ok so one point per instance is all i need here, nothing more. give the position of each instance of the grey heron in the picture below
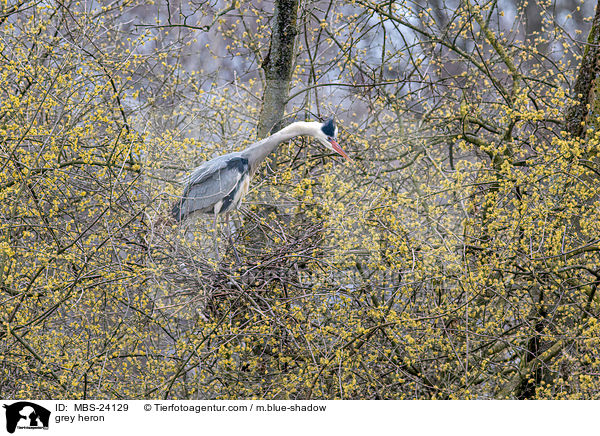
(218, 186)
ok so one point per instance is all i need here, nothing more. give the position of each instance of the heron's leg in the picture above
(216, 239)
(237, 257)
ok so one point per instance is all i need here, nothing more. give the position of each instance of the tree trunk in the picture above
(278, 66)
(586, 109)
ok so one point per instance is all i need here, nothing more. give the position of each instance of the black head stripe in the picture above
(328, 128)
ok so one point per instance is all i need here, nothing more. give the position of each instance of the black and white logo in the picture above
(26, 415)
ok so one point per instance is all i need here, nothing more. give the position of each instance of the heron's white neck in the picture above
(257, 152)
(298, 128)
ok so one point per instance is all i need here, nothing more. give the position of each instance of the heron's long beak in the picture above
(336, 147)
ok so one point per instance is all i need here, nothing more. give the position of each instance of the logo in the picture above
(26, 415)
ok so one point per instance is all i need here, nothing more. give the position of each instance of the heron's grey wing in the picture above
(209, 184)
(207, 169)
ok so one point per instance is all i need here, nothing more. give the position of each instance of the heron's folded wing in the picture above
(210, 183)
(206, 170)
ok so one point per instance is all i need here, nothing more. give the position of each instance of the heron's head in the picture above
(327, 135)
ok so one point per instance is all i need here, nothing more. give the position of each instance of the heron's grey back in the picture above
(210, 183)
